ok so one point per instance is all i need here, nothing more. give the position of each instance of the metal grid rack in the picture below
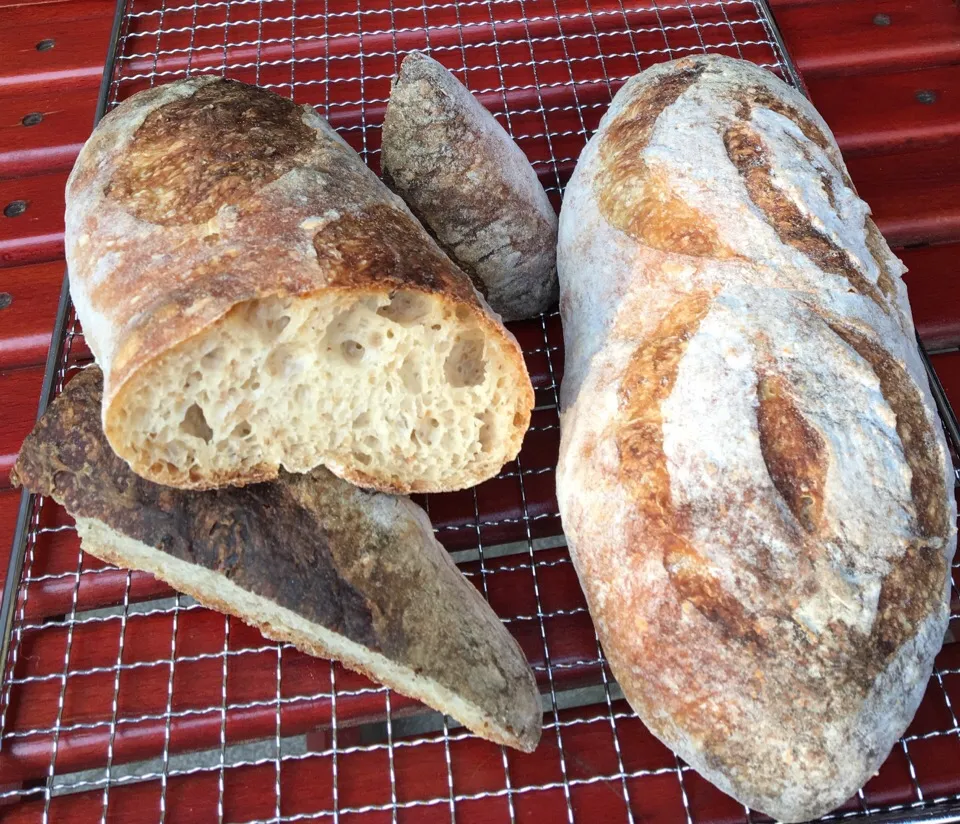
(122, 700)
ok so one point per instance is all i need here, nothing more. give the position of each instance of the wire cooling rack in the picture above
(122, 700)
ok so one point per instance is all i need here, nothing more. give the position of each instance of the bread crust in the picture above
(753, 480)
(364, 566)
(197, 197)
(471, 186)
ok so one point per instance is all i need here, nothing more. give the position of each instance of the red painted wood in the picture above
(37, 234)
(19, 389)
(861, 126)
(947, 366)
(28, 320)
(933, 284)
(53, 143)
(420, 774)
(80, 35)
(915, 196)
(841, 38)
(9, 503)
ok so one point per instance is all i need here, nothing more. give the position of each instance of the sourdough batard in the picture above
(258, 299)
(753, 480)
(308, 559)
(472, 187)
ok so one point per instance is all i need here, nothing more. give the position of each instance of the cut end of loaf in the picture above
(401, 391)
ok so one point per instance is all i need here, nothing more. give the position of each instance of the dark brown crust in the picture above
(218, 147)
(633, 200)
(309, 543)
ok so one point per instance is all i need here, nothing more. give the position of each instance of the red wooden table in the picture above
(884, 73)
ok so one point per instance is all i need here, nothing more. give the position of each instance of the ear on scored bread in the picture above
(307, 559)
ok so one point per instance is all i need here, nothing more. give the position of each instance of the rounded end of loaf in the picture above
(472, 186)
(401, 391)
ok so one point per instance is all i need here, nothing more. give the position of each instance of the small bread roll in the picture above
(472, 187)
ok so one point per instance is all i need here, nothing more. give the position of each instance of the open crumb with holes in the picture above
(258, 299)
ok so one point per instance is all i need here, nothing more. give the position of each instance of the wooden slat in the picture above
(841, 38)
(947, 367)
(915, 196)
(19, 390)
(9, 504)
(903, 121)
(933, 284)
(79, 31)
(52, 144)
(27, 321)
(37, 234)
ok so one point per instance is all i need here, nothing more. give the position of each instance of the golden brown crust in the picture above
(793, 451)
(219, 147)
(638, 202)
(203, 196)
(751, 479)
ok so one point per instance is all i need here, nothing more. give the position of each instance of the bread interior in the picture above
(402, 388)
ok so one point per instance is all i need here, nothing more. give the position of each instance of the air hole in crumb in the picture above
(405, 308)
(362, 420)
(436, 327)
(518, 419)
(389, 333)
(352, 351)
(464, 365)
(280, 362)
(374, 340)
(194, 423)
(241, 430)
(486, 431)
(463, 313)
(410, 374)
(361, 458)
(195, 474)
(212, 359)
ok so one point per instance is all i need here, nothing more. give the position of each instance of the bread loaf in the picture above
(307, 559)
(257, 298)
(472, 187)
(753, 479)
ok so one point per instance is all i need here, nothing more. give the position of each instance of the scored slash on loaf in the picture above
(307, 559)
(258, 299)
(753, 480)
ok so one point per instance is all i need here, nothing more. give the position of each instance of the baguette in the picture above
(257, 298)
(753, 480)
(472, 187)
(307, 559)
